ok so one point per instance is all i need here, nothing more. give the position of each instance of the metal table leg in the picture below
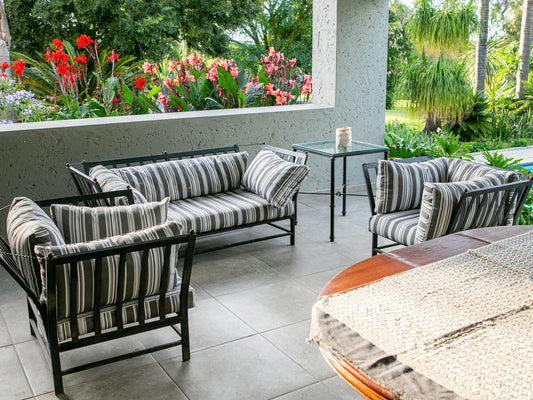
(332, 203)
(343, 186)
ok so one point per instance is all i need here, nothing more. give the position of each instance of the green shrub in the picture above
(405, 141)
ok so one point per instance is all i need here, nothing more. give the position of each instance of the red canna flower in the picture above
(81, 59)
(4, 66)
(114, 100)
(18, 67)
(83, 41)
(63, 69)
(57, 44)
(140, 82)
(113, 56)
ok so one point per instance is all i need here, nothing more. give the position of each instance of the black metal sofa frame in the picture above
(48, 339)
(514, 193)
(87, 185)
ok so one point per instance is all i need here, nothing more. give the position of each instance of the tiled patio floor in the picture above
(248, 329)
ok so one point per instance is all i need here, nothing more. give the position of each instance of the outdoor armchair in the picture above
(420, 199)
(89, 292)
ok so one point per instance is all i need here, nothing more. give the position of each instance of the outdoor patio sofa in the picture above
(420, 199)
(210, 191)
(96, 274)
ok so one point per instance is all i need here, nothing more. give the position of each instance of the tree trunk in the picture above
(481, 46)
(5, 38)
(432, 123)
(524, 54)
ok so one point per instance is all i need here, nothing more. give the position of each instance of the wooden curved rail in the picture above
(397, 261)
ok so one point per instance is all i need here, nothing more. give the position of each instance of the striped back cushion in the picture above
(82, 224)
(109, 277)
(230, 169)
(109, 182)
(461, 170)
(27, 226)
(273, 178)
(438, 203)
(400, 185)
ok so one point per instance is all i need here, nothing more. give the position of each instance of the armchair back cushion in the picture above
(440, 199)
(182, 179)
(109, 283)
(461, 170)
(400, 185)
(28, 225)
(273, 178)
(109, 182)
(82, 224)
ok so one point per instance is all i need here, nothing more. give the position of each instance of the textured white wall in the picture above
(350, 35)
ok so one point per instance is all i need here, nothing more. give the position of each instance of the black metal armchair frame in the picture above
(505, 198)
(48, 339)
(87, 185)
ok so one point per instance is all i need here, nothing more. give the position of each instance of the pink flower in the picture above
(271, 51)
(173, 66)
(150, 68)
(168, 83)
(292, 82)
(234, 71)
(162, 99)
(292, 62)
(190, 78)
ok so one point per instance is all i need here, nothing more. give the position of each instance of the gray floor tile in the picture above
(5, 339)
(227, 271)
(271, 306)
(40, 375)
(9, 289)
(210, 324)
(317, 391)
(292, 340)
(250, 368)
(317, 281)
(341, 389)
(16, 318)
(141, 383)
(13, 384)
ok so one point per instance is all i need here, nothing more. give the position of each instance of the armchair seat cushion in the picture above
(399, 226)
(225, 210)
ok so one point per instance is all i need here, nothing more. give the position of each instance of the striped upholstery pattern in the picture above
(439, 200)
(225, 210)
(27, 226)
(399, 226)
(109, 182)
(182, 179)
(109, 277)
(461, 170)
(82, 224)
(400, 185)
(273, 178)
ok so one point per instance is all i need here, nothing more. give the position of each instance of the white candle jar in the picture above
(343, 137)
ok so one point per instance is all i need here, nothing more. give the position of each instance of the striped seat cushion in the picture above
(110, 273)
(183, 179)
(109, 182)
(225, 210)
(461, 170)
(273, 178)
(28, 225)
(440, 199)
(400, 185)
(399, 226)
(82, 224)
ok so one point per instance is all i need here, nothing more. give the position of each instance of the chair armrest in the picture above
(500, 203)
(91, 200)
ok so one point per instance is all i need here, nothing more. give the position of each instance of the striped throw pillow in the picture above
(400, 185)
(82, 224)
(462, 170)
(109, 182)
(273, 178)
(109, 277)
(230, 168)
(28, 225)
(438, 203)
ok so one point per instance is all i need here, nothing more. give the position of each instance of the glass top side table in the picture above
(327, 148)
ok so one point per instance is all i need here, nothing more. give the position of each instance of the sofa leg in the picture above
(374, 244)
(185, 343)
(293, 231)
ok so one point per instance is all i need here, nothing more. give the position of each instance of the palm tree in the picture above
(481, 46)
(5, 38)
(524, 54)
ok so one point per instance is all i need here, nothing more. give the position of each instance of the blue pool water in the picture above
(528, 166)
